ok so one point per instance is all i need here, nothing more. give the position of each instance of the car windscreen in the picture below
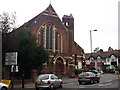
(84, 74)
(94, 72)
(43, 77)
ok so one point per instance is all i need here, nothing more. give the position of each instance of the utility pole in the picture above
(0, 55)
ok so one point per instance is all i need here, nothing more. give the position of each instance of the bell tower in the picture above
(68, 22)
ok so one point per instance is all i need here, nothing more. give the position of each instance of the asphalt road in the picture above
(107, 82)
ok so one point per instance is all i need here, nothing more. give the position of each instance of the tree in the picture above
(110, 49)
(97, 49)
(7, 22)
(31, 55)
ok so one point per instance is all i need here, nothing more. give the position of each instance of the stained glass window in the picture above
(49, 37)
(42, 37)
(56, 40)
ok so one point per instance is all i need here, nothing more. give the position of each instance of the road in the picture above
(107, 82)
(110, 84)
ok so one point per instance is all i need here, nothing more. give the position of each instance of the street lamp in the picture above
(91, 43)
(91, 39)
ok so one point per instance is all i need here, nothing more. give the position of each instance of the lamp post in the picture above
(91, 42)
(0, 55)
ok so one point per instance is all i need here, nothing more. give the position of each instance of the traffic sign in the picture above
(11, 58)
(119, 76)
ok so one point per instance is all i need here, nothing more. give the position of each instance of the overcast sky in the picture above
(88, 15)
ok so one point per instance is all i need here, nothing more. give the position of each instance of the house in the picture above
(103, 60)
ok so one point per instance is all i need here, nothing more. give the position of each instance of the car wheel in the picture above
(98, 81)
(61, 85)
(37, 88)
(91, 81)
(80, 83)
(3, 88)
(51, 87)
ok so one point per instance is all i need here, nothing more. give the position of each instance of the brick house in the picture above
(103, 60)
(57, 37)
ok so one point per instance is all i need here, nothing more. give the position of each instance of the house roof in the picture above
(103, 54)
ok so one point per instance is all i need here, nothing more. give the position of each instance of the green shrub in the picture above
(78, 71)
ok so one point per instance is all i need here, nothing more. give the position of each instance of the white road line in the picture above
(109, 81)
(104, 84)
(94, 84)
(101, 85)
(82, 87)
(68, 83)
(108, 84)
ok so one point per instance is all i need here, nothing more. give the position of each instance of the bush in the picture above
(78, 71)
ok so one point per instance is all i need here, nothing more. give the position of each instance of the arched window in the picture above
(42, 37)
(56, 40)
(49, 37)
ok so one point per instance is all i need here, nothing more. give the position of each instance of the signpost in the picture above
(11, 60)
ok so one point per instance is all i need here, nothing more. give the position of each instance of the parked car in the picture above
(48, 81)
(3, 86)
(88, 77)
(101, 71)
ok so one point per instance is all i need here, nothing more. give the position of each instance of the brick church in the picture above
(57, 37)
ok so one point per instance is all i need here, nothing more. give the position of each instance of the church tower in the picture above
(68, 22)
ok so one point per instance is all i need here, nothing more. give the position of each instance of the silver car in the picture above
(48, 81)
(3, 86)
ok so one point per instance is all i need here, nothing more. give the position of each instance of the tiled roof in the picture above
(47, 15)
(103, 54)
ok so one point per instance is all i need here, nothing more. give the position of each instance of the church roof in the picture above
(49, 14)
(50, 11)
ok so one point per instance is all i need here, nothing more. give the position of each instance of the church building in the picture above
(57, 37)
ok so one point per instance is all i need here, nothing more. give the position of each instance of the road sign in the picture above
(119, 76)
(7, 82)
(11, 58)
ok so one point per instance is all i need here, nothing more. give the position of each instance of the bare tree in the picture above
(7, 22)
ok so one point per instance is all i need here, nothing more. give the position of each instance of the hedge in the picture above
(78, 71)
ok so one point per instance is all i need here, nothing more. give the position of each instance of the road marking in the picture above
(108, 84)
(82, 87)
(109, 81)
(104, 84)
(94, 84)
(70, 83)
(101, 85)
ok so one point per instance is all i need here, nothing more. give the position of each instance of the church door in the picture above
(59, 70)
